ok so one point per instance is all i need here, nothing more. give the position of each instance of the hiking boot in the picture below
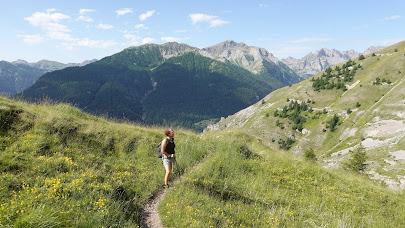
(166, 186)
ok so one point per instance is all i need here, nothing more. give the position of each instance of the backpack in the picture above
(160, 155)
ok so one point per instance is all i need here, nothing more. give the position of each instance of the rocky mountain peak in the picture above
(321, 52)
(248, 57)
(231, 43)
(171, 49)
(314, 63)
(372, 49)
(20, 61)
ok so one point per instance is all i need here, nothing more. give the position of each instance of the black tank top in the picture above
(170, 146)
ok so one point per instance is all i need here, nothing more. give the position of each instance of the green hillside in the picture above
(356, 105)
(191, 88)
(14, 78)
(139, 84)
(61, 167)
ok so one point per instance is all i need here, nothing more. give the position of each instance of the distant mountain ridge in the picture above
(254, 59)
(14, 78)
(314, 63)
(19, 75)
(172, 83)
(49, 65)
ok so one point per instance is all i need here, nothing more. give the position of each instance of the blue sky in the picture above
(74, 31)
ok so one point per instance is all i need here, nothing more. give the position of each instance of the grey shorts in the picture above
(168, 161)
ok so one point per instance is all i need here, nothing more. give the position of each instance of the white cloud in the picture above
(198, 17)
(86, 42)
(218, 22)
(146, 15)
(148, 40)
(56, 35)
(50, 23)
(170, 39)
(309, 40)
(85, 18)
(123, 11)
(391, 18)
(95, 43)
(32, 39)
(104, 26)
(214, 21)
(263, 5)
(133, 39)
(48, 20)
(85, 11)
(141, 26)
(83, 15)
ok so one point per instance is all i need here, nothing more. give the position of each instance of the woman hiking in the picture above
(168, 152)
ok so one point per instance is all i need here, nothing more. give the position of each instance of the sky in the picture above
(74, 31)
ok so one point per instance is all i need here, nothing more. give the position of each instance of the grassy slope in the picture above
(387, 63)
(245, 184)
(62, 167)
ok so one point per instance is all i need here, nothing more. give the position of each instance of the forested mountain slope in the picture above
(161, 84)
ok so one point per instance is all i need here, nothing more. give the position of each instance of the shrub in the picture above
(361, 57)
(310, 155)
(332, 123)
(357, 161)
(286, 144)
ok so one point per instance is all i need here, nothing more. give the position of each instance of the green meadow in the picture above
(61, 167)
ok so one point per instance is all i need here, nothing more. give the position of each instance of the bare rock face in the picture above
(314, 63)
(254, 59)
(172, 49)
(372, 49)
(248, 57)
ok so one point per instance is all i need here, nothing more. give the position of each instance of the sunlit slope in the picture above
(60, 167)
(244, 184)
(369, 114)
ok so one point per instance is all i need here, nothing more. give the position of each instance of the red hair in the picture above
(167, 131)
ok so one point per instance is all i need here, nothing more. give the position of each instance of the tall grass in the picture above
(266, 189)
(61, 167)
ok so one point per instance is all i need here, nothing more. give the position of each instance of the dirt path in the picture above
(151, 216)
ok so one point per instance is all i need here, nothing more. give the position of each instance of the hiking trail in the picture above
(150, 213)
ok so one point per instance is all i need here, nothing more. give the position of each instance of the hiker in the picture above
(168, 152)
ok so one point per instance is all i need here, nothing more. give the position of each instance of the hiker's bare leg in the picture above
(168, 172)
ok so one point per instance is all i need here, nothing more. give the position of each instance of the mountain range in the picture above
(18, 75)
(357, 105)
(15, 78)
(276, 163)
(313, 63)
(49, 66)
(171, 83)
